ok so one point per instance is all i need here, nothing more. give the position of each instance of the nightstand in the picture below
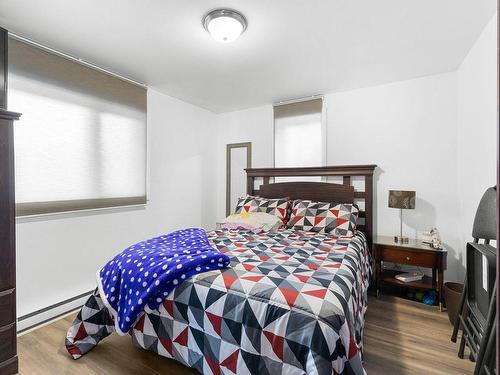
(413, 253)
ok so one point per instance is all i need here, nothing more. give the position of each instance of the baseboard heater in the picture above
(42, 316)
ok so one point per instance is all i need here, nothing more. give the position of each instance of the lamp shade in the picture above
(402, 199)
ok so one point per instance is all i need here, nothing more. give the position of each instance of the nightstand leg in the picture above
(440, 289)
(378, 275)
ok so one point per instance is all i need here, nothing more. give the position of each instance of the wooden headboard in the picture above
(318, 191)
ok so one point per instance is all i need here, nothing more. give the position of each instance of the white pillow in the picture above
(260, 220)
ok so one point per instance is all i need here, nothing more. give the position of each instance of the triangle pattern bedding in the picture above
(290, 302)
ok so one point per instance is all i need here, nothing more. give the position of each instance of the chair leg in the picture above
(456, 325)
(462, 346)
(490, 323)
(463, 340)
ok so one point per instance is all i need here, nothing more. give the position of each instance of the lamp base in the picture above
(401, 239)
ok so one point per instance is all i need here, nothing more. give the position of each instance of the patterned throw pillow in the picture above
(337, 219)
(277, 207)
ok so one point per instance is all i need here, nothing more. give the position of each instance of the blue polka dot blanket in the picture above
(145, 273)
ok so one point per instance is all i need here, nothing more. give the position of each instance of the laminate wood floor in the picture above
(401, 338)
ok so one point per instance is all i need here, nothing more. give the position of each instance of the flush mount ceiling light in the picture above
(224, 25)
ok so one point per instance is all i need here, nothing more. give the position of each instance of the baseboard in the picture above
(42, 316)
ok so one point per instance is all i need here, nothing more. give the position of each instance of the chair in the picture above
(477, 306)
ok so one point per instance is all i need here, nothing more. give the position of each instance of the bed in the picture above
(291, 302)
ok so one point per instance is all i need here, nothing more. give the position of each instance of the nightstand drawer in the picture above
(407, 257)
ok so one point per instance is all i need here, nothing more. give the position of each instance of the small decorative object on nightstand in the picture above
(413, 253)
(404, 200)
(432, 238)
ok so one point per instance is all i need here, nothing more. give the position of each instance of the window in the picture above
(298, 134)
(81, 141)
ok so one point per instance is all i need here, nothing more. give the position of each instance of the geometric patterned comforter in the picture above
(289, 303)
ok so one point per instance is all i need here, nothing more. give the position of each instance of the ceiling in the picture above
(291, 49)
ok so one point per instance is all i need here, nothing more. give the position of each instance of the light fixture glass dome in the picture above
(224, 25)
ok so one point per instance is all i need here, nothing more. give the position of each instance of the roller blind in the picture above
(298, 138)
(81, 143)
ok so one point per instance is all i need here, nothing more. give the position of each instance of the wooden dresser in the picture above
(8, 352)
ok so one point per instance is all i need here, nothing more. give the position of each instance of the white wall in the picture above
(477, 125)
(57, 256)
(408, 129)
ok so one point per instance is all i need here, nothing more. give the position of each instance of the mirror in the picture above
(238, 157)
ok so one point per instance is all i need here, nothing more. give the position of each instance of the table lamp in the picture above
(404, 200)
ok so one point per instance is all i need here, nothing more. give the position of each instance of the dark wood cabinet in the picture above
(8, 350)
(413, 253)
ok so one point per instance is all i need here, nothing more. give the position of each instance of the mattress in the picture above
(290, 303)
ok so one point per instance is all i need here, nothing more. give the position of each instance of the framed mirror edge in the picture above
(229, 148)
